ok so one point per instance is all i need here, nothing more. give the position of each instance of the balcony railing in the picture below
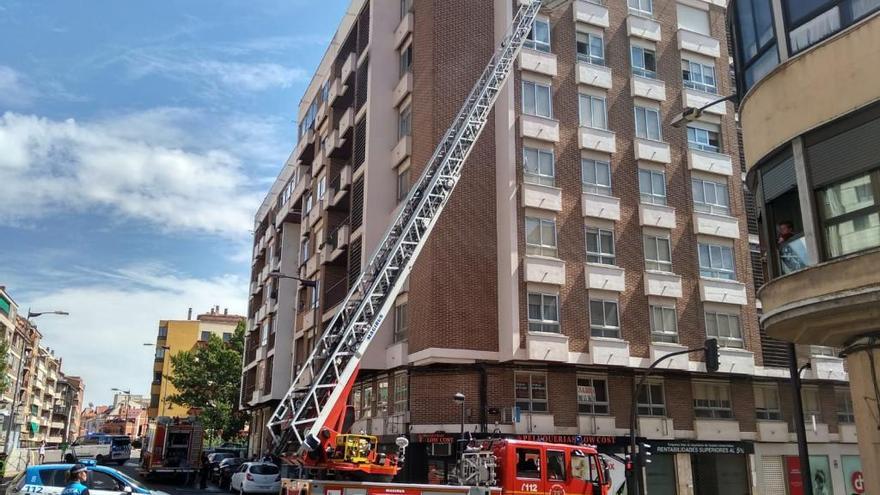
(335, 293)
(706, 88)
(793, 255)
(650, 74)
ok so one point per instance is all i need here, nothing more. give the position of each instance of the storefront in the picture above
(835, 469)
(712, 468)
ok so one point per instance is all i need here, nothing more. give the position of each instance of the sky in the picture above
(137, 140)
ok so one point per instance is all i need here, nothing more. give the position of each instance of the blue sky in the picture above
(137, 140)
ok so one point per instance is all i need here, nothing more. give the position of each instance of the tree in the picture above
(208, 378)
(4, 365)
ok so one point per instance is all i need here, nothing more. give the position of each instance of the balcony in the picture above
(314, 215)
(656, 428)
(338, 240)
(337, 89)
(818, 435)
(716, 225)
(404, 29)
(538, 62)
(723, 291)
(590, 138)
(543, 270)
(660, 349)
(698, 43)
(346, 122)
(401, 151)
(306, 146)
(773, 431)
(662, 284)
(594, 75)
(312, 265)
(708, 161)
(694, 98)
(612, 352)
(599, 206)
(534, 127)
(596, 425)
(321, 114)
(543, 197)
(334, 144)
(717, 429)
(348, 67)
(643, 27)
(403, 89)
(340, 185)
(656, 216)
(591, 13)
(653, 151)
(547, 346)
(605, 277)
(644, 87)
(848, 433)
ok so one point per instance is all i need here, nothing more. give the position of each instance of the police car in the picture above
(50, 479)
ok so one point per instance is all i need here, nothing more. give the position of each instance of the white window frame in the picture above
(540, 24)
(701, 139)
(716, 261)
(657, 264)
(645, 116)
(405, 60)
(401, 392)
(764, 410)
(812, 403)
(712, 400)
(401, 323)
(367, 400)
(845, 413)
(322, 187)
(702, 189)
(659, 331)
(639, 61)
(720, 320)
(694, 76)
(532, 401)
(642, 7)
(537, 175)
(590, 57)
(544, 247)
(605, 253)
(536, 89)
(648, 192)
(592, 111)
(547, 323)
(586, 406)
(605, 329)
(404, 122)
(652, 407)
(595, 187)
(382, 388)
(403, 184)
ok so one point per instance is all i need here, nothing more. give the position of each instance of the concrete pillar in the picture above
(865, 406)
(684, 475)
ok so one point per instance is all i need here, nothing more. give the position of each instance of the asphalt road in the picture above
(169, 485)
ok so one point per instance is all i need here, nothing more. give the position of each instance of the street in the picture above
(168, 485)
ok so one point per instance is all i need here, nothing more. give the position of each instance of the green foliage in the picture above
(4, 365)
(209, 378)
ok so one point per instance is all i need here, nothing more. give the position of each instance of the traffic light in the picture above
(711, 355)
(644, 454)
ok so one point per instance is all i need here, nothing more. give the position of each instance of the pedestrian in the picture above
(203, 472)
(76, 479)
(43, 452)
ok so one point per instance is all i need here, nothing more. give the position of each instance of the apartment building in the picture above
(182, 335)
(68, 407)
(813, 170)
(587, 238)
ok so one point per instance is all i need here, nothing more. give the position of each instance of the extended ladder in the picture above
(325, 378)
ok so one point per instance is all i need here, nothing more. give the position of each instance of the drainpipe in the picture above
(484, 398)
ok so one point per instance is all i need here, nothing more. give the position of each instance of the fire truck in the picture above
(309, 426)
(172, 446)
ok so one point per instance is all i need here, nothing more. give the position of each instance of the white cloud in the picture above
(15, 91)
(112, 317)
(154, 166)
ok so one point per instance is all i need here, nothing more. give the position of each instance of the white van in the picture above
(101, 447)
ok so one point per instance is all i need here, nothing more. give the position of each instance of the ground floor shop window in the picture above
(660, 474)
(720, 474)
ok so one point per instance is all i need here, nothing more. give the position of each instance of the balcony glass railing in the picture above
(699, 86)
(793, 255)
(647, 73)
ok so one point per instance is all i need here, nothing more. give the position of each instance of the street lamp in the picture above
(304, 282)
(459, 398)
(33, 314)
(691, 114)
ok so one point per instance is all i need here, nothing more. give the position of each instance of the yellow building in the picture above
(182, 335)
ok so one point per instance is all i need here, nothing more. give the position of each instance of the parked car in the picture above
(226, 469)
(256, 477)
(101, 447)
(214, 459)
(52, 478)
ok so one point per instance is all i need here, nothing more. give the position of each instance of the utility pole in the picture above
(799, 427)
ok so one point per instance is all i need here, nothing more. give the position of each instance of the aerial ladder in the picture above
(308, 425)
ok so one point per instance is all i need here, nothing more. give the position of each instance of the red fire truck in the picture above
(172, 446)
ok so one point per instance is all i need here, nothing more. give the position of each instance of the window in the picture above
(160, 353)
(405, 7)
(531, 392)
(367, 405)
(644, 62)
(644, 7)
(382, 397)
(157, 377)
(822, 350)
(716, 261)
(205, 336)
(767, 402)
(304, 250)
(724, 327)
(658, 254)
(844, 402)
(163, 332)
(664, 326)
(401, 392)
(810, 399)
(316, 294)
(712, 400)
(536, 99)
(694, 20)
(322, 187)
(308, 206)
(648, 123)
(538, 167)
(652, 186)
(603, 319)
(850, 213)
(756, 47)
(227, 336)
(592, 111)
(651, 401)
(698, 76)
(600, 246)
(539, 36)
(541, 237)
(406, 60)
(543, 313)
(401, 325)
(703, 139)
(811, 21)
(590, 48)
(103, 481)
(53, 477)
(356, 401)
(528, 464)
(592, 395)
(403, 184)
(264, 333)
(404, 123)
(596, 177)
(555, 465)
(710, 196)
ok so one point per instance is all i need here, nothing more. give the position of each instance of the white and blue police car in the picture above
(50, 479)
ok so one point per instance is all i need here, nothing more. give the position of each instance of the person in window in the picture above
(785, 232)
(791, 254)
(76, 481)
(554, 469)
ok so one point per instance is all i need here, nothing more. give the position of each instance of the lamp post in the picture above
(33, 314)
(691, 114)
(459, 398)
(304, 282)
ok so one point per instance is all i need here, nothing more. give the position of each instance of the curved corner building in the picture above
(810, 84)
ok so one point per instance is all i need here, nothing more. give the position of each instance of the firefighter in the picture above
(76, 479)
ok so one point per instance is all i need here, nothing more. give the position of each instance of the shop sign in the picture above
(687, 447)
(434, 438)
(575, 439)
(852, 474)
